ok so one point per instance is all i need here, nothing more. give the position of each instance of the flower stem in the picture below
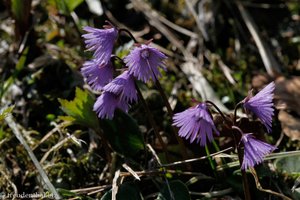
(129, 33)
(152, 122)
(244, 175)
(170, 113)
(162, 93)
(237, 128)
(211, 162)
(235, 110)
(217, 108)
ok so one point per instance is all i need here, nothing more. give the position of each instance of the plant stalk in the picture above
(152, 122)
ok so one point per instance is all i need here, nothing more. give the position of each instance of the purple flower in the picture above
(123, 86)
(107, 103)
(97, 76)
(195, 122)
(254, 150)
(101, 41)
(262, 105)
(143, 62)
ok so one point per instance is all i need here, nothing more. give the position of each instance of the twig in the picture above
(194, 14)
(115, 185)
(13, 125)
(259, 187)
(56, 128)
(83, 190)
(196, 159)
(160, 172)
(214, 193)
(53, 148)
(175, 26)
(163, 170)
(267, 57)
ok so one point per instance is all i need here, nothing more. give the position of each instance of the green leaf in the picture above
(5, 112)
(61, 6)
(288, 165)
(66, 6)
(179, 190)
(72, 4)
(80, 109)
(123, 134)
(126, 191)
(65, 193)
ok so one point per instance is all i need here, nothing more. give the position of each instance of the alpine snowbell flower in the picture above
(262, 105)
(107, 103)
(254, 150)
(97, 76)
(123, 86)
(101, 41)
(143, 62)
(196, 123)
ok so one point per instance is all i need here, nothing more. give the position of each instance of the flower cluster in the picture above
(197, 123)
(142, 63)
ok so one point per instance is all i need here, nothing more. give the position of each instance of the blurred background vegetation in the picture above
(217, 50)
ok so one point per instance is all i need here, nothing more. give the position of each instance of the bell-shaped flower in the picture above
(196, 123)
(254, 150)
(261, 105)
(101, 41)
(107, 103)
(97, 76)
(144, 62)
(123, 86)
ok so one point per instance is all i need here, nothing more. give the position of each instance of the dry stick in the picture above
(13, 125)
(163, 170)
(271, 64)
(259, 187)
(160, 172)
(56, 128)
(196, 159)
(152, 122)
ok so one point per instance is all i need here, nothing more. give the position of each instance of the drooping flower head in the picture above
(97, 76)
(262, 105)
(123, 86)
(254, 150)
(143, 62)
(101, 41)
(196, 123)
(107, 103)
